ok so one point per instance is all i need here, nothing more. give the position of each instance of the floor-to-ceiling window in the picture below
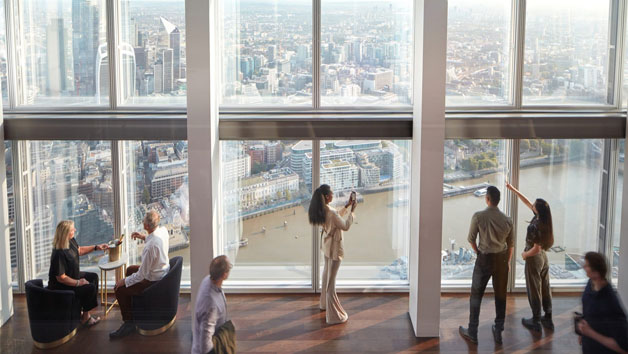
(567, 174)
(470, 167)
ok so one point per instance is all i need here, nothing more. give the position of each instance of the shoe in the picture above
(497, 335)
(124, 330)
(464, 333)
(531, 324)
(547, 322)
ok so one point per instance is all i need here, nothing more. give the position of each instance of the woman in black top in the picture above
(64, 271)
(539, 238)
(604, 328)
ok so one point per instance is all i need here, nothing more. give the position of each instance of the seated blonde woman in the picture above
(65, 274)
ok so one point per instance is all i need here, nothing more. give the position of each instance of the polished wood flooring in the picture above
(293, 323)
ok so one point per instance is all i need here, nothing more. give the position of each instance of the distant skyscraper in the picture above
(55, 57)
(271, 52)
(174, 43)
(85, 42)
(166, 56)
(159, 77)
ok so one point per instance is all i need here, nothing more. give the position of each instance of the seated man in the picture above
(213, 332)
(155, 265)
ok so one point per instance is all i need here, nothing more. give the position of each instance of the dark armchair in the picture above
(54, 315)
(155, 310)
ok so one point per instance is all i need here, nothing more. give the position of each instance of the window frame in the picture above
(112, 123)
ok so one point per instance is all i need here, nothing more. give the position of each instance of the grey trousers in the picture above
(538, 285)
(329, 299)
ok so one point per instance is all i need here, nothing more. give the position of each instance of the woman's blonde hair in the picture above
(61, 240)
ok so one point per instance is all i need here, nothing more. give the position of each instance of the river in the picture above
(379, 236)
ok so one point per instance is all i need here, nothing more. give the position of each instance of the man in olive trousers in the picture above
(494, 252)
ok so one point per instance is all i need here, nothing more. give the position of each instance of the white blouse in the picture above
(333, 245)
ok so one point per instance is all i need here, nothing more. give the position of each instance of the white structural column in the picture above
(622, 281)
(202, 121)
(428, 134)
(6, 292)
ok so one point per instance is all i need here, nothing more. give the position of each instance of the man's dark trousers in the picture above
(489, 265)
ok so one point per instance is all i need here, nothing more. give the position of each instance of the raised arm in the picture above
(520, 195)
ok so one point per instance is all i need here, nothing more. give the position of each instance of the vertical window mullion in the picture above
(13, 26)
(118, 205)
(316, 54)
(614, 54)
(620, 50)
(519, 16)
(112, 50)
(316, 180)
(513, 151)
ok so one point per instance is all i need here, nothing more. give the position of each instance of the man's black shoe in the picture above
(532, 324)
(464, 333)
(547, 322)
(124, 330)
(497, 335)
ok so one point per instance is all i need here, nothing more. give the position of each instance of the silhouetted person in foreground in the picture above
(604, 328)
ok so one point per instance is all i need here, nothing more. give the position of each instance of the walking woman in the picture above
(539, 238)
(64, 271)
(333, 224)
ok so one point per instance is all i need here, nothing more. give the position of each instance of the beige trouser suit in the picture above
(333, 249)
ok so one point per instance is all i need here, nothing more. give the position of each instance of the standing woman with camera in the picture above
(333, 224)
(539, 238)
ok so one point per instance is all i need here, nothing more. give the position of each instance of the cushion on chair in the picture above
(53, 314)
(157, 305)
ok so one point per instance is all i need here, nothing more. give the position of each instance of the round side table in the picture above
(106, 266)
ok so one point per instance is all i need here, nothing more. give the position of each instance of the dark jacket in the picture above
(605, 314)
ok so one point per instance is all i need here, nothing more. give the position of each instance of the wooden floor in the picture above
(293, 323)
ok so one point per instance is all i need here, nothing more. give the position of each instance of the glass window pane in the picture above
(478, 52)
(70, 180)
(3, 57)
(63, 53)
(614, 258)
(366, 53)
(156, 178)
(566, 52)
(376, 247)
(266, 52)
(567, 174)
(152, 53)
(265, 230)
(470, 167)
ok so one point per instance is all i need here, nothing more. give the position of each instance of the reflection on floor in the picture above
(293, 323)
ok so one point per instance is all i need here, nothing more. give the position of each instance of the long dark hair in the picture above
(316, 213)
(544, 215)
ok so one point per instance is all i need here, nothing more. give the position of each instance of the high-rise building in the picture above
(166, 178)
(55, 57)
(257, 154)
(174, 43)
(273, 152)
(166, 56)
(158, 76)
(85, 42)
(378, 80)
(271, 52)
